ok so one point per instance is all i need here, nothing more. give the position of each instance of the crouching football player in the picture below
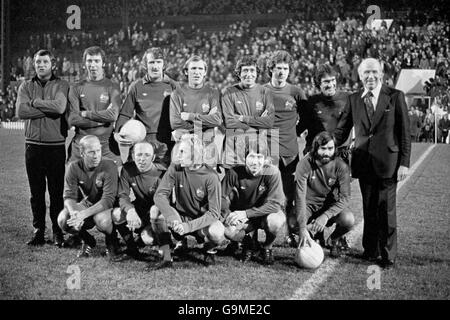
(197, 191)
(253, 199)
(322, 195)
(141, 176)
(90, 189)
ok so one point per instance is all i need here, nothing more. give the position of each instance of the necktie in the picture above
(369, 105)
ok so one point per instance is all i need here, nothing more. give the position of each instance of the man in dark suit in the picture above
(380, 157)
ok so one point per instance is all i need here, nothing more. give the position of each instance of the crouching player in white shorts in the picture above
(197, 191)
(142, 177)
(252, 199)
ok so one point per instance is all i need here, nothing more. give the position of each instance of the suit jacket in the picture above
(383, 144)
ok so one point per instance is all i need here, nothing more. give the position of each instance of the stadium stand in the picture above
(314, 34)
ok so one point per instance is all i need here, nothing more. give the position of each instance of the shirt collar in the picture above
(53, 77)
(376, 91)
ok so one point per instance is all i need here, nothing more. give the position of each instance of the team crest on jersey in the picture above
(289, 105)
(166, 93)
(99, 181)
(205, 107)
(104, 98)
(200, 193)
(261, 188)
(259, 106)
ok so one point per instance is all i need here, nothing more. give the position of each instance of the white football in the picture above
(309, 257)
(133, 130)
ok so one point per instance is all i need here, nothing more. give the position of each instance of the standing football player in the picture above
(148, 101)
(288, 101)
(94, 105)
(323, 111)
(323, 194)
(89, 192)
(252, 199)
(197, 103)
(143, 178)
(248, 111)
(42, 101)
(197, 191)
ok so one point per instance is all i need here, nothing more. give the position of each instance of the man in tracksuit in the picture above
(42, 101)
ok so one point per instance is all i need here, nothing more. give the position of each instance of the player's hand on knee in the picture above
(177, 227)
(76, 220)
(236, 217)
(133, 220)
(319, 224)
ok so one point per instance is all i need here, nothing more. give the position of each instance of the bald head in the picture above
(91, 151)
(143, 155)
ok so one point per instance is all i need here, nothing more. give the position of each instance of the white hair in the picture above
(368, 61)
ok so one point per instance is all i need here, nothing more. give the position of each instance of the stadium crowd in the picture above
(416, 41)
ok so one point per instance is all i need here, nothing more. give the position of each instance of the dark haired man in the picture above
(148, 101)
(323, 111)
(288, 101)
(323, 193)
(94, 105)
(247, 110)
(42, 101)
(252, 199)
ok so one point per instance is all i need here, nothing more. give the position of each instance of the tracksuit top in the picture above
(203, 104)
(325, 187)
(97, 185)
(258, 195)
(101, 99)
(287, 101)
(197, 194)
(143, 184)
(44, 108)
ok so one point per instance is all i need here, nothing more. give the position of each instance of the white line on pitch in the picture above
(310, 287)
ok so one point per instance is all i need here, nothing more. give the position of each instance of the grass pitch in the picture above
(42, 273)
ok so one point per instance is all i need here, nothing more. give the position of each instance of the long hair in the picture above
(246, 60)
(322, 139)
(280, 56)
